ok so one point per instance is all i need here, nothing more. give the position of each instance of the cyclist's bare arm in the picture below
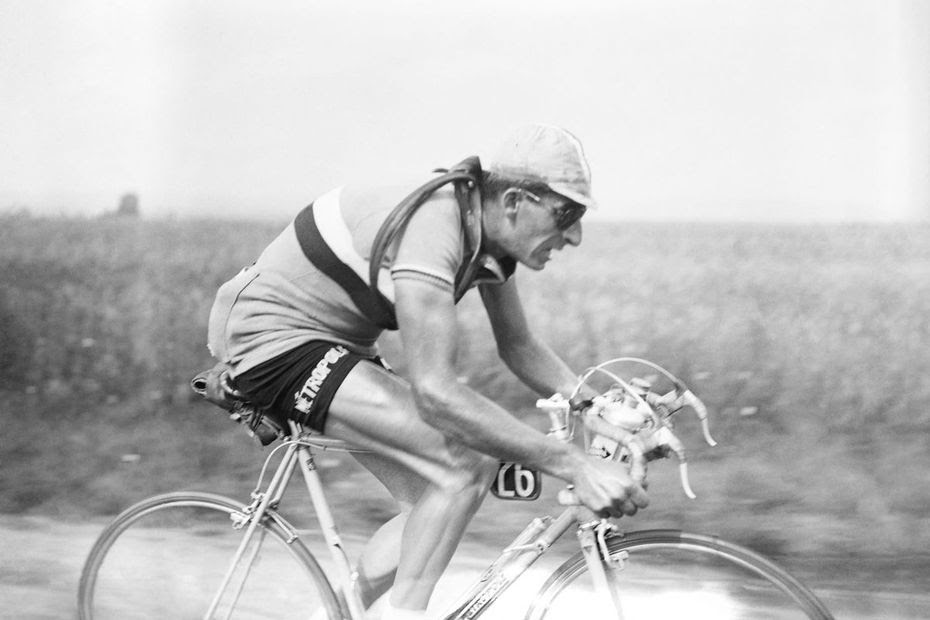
(531, 359)
(426, 316)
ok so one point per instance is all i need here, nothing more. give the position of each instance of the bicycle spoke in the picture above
(170, 562)
(672, 577)
(248, 564)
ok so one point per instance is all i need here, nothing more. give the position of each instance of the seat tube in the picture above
(347, 575)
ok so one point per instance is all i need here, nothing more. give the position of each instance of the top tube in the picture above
(321, 442)
(330, 444)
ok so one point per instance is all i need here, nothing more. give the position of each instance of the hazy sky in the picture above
(785, 110)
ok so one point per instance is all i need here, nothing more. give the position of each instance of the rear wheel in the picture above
(672, 574)
(166, 557)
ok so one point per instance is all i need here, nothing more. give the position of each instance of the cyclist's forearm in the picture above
(486, 427)
(539, 367)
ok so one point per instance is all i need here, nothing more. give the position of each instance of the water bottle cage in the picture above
(632, 423)
(628, 422)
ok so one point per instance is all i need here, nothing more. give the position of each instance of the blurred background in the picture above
(764, 175)
(691, 109)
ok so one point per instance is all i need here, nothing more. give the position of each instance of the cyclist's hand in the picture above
(607, 489)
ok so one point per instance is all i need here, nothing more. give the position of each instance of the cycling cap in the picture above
(549, 155)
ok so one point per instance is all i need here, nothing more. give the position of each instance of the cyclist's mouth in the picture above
(545, 253)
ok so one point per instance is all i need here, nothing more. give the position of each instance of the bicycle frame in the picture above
(515, 559)
(637, 429)
(534, 541)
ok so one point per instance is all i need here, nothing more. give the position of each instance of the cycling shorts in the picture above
(300, 384)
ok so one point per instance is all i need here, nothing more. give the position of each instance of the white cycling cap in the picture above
(547, 154)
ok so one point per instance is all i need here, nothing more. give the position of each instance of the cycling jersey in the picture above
(301, 287)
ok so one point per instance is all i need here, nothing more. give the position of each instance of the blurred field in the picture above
(809, 344)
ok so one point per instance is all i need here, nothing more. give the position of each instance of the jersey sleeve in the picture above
(430, 248)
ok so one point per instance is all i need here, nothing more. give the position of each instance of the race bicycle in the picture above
(200, 555)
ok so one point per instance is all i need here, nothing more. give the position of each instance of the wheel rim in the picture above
(167, 556)
(672, 574)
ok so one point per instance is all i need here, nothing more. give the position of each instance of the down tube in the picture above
(509, 566)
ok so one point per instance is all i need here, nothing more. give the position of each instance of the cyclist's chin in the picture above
(536, 261)
(537, 257)
(544, 256)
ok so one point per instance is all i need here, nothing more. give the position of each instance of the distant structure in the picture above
(128, 205)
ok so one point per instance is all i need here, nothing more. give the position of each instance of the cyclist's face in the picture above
(537, 230)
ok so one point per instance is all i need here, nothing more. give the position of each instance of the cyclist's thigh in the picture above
(375, 409)
(405, 486)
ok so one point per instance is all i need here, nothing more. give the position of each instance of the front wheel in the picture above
(167, 556)
(673, 574)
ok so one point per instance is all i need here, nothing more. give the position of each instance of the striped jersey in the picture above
(311, 282)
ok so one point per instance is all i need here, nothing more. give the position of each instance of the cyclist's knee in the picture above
(469, 472)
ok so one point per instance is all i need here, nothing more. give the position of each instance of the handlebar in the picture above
(628, 422)
(558, 408)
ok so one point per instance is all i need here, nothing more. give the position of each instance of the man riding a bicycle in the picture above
(299, 328)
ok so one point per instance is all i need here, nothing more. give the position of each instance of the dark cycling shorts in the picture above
(300, 384)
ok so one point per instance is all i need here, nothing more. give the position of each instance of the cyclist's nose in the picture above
(572, 234)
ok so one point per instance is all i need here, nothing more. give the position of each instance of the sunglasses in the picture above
(565, 214)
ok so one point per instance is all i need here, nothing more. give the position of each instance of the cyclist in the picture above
(299, 328)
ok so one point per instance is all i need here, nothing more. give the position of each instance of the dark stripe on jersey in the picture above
(323, 258)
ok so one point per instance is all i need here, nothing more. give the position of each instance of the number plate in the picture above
(514, 481)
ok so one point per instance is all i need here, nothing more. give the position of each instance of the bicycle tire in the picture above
(673, 568)
(163, 549)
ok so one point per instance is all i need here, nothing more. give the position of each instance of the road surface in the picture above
(41, 559)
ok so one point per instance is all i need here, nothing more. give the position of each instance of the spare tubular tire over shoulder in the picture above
(466, 177)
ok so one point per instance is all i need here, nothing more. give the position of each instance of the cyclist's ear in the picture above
(510, 201)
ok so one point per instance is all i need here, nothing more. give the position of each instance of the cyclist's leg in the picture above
(377, 565)
(375, 409)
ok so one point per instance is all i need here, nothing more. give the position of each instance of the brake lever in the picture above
(666, 438)
(689, 399)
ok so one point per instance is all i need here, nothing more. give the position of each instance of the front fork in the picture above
(603, 567)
